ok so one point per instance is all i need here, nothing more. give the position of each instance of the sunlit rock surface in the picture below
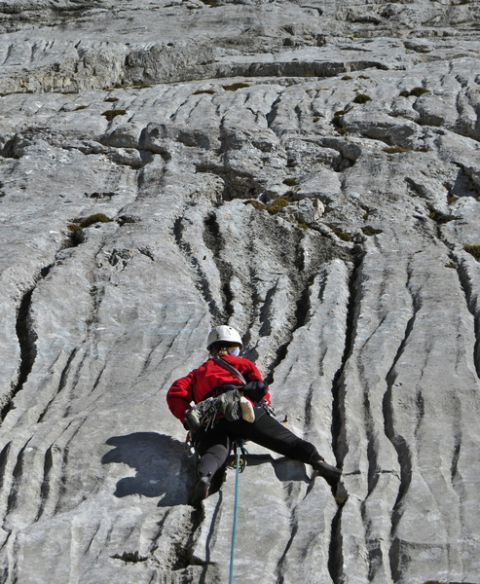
(308, 172)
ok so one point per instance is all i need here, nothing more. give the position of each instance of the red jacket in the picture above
(200, 382)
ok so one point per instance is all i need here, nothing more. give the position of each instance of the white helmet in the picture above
(224, 333)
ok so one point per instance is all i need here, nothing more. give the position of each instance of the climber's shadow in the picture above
(285, 469)
(161, 463)
(164, 470)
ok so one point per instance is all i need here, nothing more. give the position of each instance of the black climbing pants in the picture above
(214, 445)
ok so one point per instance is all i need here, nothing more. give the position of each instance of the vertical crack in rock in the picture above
(202, 280)
(16, 478)
(253, 308)
(265, 312)
(372, 453)
(472, 305)
(216, 517)
(161, 525)
(60, 477)
(300, 318)
(183, 549)
(399, 443)
(308, 416)
(3, 462)
(27, 339)
(335, 553)
(272, 114)
(338, 385)
(457, 446)
(372, 443)
(215, 242)
(61, 384)
(335, 559)
(283, 557)
(45, 488)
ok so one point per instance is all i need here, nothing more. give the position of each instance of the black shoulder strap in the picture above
(230, 368)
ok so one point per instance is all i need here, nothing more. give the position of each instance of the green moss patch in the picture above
(278, 205)
(291, 182)
(84, 222)
(341, 234)
(204, 92)
(416, 91)
(473, 249)
(337, 121)
(111, 114)
(396, 150)
(274, 207)
(303, 225)
(256, 205)
(75, 233)
(369, 230)
(362, 98)
(402, 150)
(235, 86)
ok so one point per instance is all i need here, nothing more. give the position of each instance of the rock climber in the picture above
(241, 410)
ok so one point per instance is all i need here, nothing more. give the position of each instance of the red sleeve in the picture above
(255, 375)
(180, 395)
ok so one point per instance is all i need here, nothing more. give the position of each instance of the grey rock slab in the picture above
(247, 181)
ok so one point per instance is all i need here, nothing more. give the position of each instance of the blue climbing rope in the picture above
(235, 505)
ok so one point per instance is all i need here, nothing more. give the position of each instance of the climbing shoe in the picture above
(201, 490)
(330, 473)
(248, 413)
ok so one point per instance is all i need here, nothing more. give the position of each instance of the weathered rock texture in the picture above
(306, 171)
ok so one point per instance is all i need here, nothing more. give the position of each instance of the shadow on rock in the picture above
(285, 469)
(163, 468)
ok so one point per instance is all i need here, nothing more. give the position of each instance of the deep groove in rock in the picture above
(338, 385)
(372, 449)
(272, 114)
(472, 305)
(395, 563)
(300, 318)
(265, 325)
(3, 462)
(283, 557)
(253, 309)
(16, 476)
(335, 557)
(61, 384)
(399, 443)
(335, 549)
(45, 488)
(202, 282)
(64, 463)
(27, 339)
(215, 242)
(308, 406)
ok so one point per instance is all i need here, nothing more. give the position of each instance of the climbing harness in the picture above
(232, 463)
(238, 449)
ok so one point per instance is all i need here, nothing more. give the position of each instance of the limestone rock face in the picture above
(308, 172)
